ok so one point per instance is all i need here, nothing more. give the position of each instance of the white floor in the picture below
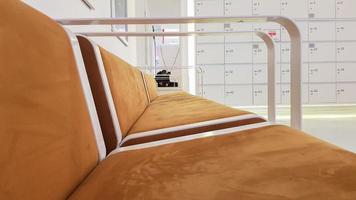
(334, 124)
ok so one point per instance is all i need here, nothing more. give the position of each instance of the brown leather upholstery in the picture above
(97, 88)
(180, 109)
(268, 163)
(47, 146)
(127, 88)
(151, 86)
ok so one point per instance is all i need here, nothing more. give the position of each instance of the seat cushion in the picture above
(179, 109)
(269, 163)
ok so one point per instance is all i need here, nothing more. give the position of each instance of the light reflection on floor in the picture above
(334, 124)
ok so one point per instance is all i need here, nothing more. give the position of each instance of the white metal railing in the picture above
(290, 26)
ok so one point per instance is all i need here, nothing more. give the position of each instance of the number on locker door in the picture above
(238, 95)
(209, 8)
(238, 74)
(210, 54)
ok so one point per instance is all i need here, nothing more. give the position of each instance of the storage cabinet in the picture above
(235, 66)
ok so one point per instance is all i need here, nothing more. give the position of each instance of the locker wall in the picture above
(235, 67)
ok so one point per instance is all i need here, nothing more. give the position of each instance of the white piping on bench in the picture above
(189, 126)
(88, 95)
(290, 26)
(234, 130)
(108, 95)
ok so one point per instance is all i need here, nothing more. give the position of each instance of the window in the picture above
(119, 10)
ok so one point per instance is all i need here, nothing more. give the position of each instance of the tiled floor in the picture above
(334, 124)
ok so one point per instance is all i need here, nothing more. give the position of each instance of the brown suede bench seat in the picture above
(142, 115)
(268, 163)
(52, 148)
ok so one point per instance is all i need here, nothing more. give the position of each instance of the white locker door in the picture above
(260, 94)
(213, 74)
(210, 28)
(322, 73)
(266, 7)
(321, 52)
(346, 93)
(321, 31)
(238, 53)
(260, 73)
(303, 27)
(210, 54)
(346, 72)
(322, 93)
(346, 30)
(285, 52)
(238, 27)
(346, 51)
(238, 95)
(238, 7)
(285, 94)
(321, 8)
(238, 74)
(285, 73)
(215, 93)
(345, 8)
(259, 53)
(294, 9)
(209, 8)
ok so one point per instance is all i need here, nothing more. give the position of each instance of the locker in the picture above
(322, 93)
(346, 51)
(213, 74)
(303, 27)
(346, 93)
(236, 95)
(321, 52)
(278, 94)
(209, 8)
(210, 54)
(266, 7)
(238, 53)
(294, 9)
(259, 53)
(285, 73)
(215, 93)
(238, 74)
(321, 73)
(260, 94)
(321, 31)
(321, 8)
(285, 52)
(278, 73)
(272, 29)
(238, 27)
(345, 8)
(238, 7)
(260, 74)
(285, 94)
(345, 30)
(346, 72)
(210, 28)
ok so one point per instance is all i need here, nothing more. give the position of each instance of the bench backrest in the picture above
(121, 91)
(48, 127)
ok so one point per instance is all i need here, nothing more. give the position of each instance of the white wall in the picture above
(76, 9)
